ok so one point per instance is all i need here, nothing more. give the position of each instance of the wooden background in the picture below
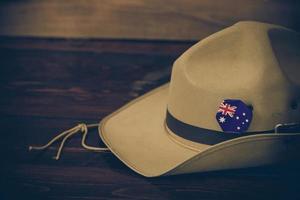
(69, 61)
(50, 85)
(139, 19)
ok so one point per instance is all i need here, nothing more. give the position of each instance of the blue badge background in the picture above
(241, 120)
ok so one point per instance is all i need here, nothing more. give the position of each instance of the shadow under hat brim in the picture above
(137, 135)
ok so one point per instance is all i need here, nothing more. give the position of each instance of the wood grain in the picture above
(138, 19)
(48, 85)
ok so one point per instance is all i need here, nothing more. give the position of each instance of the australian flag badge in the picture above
(233, 115)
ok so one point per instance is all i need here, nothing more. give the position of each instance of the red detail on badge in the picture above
(226, 109)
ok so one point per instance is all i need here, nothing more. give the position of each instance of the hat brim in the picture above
(137, 135)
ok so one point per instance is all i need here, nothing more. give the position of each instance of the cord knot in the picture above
(80, 128)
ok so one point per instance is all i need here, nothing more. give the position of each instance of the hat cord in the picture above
(80, 128)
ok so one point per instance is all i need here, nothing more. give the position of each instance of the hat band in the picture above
(202, 135)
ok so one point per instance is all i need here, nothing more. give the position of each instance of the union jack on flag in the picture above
(227, 109)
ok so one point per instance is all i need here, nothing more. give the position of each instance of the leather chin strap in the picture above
(211, 137)
(80, 128)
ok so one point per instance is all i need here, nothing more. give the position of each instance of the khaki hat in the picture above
(174, 129)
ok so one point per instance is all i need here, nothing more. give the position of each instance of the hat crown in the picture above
(254, 62)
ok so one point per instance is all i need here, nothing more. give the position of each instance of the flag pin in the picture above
(234, 115)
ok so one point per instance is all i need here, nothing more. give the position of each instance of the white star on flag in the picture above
(222, 119)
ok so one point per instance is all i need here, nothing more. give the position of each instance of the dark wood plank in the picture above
(98, 79)
(142, 19)
(48, 85)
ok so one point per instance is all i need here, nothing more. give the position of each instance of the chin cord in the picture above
(80, 128)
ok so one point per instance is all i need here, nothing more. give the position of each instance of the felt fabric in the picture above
(247, 61)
